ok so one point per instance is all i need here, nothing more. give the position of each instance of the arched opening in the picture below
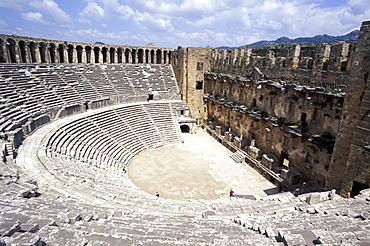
(70, 53)
(357, 187)
(2, 57)
(164, 57)
(96, 54)
(22, 47)
(112, 52)
(146, 56)
(52, 53)
(33, 52)
(127, 56)
(133, 53)
(152, 55)
(169, 57)
(119, 55)
(159, 57)
(88, 54)
(140, 56)
(185, 129)
(11, 50)
(61, 53)
(254, 103)
(104, 51)
(43, 52)
(79, 53)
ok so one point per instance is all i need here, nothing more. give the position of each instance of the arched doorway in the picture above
(96, 54)
(140, 56)
(79, 53)
(70, 53)
(23, 50)
(11, 51)
(185, 128)
(104, 53)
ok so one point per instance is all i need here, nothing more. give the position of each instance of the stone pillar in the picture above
(47, 53)
(100, 56)
(56, 54)
(65, 54)
(84, 56)
(92, 56)
(17, 54)
(297, 52)
(37, 53)
(144, 56)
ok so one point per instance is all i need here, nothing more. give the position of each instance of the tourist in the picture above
(231, 192)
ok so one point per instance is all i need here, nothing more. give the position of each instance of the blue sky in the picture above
(189, 23)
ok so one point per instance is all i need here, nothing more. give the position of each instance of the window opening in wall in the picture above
(284, 159)
(303, 116)
(150, 97)
(199, 66)
(357, 187)
(182, 112)
(185, 129)
(254, 103)
(199, 85)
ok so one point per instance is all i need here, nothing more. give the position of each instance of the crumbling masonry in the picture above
(305, 108)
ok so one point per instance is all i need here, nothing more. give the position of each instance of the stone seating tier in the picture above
(49, 87)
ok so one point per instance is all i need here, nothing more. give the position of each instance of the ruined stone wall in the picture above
(286, 121)
(189, 65)
(19, 49)
(324, 65)
(350, 164)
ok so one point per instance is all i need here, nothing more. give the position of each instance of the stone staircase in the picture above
(238, 156)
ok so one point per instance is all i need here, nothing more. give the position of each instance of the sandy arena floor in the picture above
(200, 168)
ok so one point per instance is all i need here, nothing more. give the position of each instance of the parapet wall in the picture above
(19, 49)
(324, 64)
(286, 122)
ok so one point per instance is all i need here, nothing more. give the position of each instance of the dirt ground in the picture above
(199, 168)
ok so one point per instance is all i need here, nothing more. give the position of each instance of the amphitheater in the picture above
(123, 145)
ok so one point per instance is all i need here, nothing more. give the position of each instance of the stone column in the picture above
(56, 54)
(37, 53)
(84, 58)
(144, 56)
(100, 56)
(92, 56)
(47, 53)
(297, 52)
(65, 54)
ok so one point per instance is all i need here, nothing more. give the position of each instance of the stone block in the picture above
(313, 198)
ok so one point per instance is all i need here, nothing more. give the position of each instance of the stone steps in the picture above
(238, 157)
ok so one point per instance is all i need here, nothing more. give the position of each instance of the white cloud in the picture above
(84, 20)
(93, 10)
(125, 12)
(16, 5)
(152, 23)
(3, 23)
(35, 17)
(51, 10)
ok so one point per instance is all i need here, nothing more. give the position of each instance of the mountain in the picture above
(301, 40)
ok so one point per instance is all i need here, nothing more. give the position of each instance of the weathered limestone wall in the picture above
(189, 65)
(307, 64)
(19, 49)
(288, 122)
(351, 159)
